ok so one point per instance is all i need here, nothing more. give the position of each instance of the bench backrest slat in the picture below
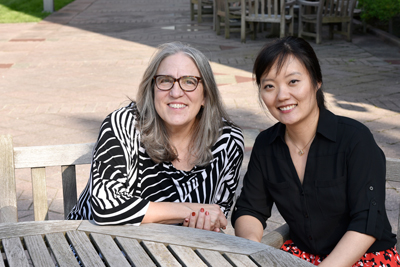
(8, 193)
(39, 191)
(57, 155)
(69, 188)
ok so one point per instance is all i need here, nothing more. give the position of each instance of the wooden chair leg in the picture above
(300, 30)
(227, 26)
(191, 11)
(254, 30)
(318, 38)
(214, 15)
(282, 30)
(199, 11)
(349, 31)
(218, 25)
(243, 30)
(291, 23)
(300, 22)
(331, 31)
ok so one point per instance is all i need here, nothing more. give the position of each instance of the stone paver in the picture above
(59, 78)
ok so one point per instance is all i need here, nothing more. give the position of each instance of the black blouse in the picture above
(343, 187)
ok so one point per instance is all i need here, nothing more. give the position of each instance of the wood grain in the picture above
(110, 251)
(2, 260)
(213, 258)
(39, 191)
(240, 260)
(38, 251)
(61, 250)
(15, 252)
(275, 257)
(277, 237)
(136, 255)
(8, 230)
(57, 155)
(84, 249)
(161, 254)
(178, 235)
(186, 256)
(8, 193)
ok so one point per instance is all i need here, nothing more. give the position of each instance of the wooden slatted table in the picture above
(47, 243)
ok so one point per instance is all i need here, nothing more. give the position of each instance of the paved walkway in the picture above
(61, 77)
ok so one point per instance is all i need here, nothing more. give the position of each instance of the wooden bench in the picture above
(277, 237)
(37, 158)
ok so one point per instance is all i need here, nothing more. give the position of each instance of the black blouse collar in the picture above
(327, 127)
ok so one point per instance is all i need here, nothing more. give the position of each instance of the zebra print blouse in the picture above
(124, 179)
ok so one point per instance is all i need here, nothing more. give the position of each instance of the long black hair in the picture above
(279, 51)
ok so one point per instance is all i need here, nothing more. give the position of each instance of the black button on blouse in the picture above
(343, 187)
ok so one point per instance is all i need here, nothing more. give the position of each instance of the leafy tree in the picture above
(379, 9)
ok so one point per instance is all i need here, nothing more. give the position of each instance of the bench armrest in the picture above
(277, 237)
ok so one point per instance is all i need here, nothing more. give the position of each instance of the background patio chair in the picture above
(227, 14)
(331, 12)
(266, 11)
(201, 8)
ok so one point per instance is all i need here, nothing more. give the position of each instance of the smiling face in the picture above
(177, 108)
(289, 95)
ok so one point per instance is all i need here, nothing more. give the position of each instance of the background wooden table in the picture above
(46, 243)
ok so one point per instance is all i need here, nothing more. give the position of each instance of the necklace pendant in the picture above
(301, 152)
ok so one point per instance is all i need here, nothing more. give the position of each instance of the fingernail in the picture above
(201, 210)
(193, 213)
(224, 227)
(186, 220)
(207, 213)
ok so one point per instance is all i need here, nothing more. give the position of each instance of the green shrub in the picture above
(379, 9)
(15, 11)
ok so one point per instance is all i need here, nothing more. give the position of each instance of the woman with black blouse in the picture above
(325, 173)
(173, 156)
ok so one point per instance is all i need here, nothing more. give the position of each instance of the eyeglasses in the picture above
(187, 83)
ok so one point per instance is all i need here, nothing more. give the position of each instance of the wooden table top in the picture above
(46, 243)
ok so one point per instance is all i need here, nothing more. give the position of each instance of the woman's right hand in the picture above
(207, 217)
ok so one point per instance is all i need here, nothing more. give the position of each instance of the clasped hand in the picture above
(208, 217)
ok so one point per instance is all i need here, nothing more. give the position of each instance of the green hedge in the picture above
(379, 9)
(17, 11)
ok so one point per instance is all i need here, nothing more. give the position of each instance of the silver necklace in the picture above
(301, 151)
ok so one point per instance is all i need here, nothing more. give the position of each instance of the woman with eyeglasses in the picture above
(325, 173)
(172, 157)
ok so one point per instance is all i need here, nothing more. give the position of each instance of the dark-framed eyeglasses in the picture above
(187, 83)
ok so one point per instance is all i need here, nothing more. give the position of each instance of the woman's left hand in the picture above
(209, 218)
